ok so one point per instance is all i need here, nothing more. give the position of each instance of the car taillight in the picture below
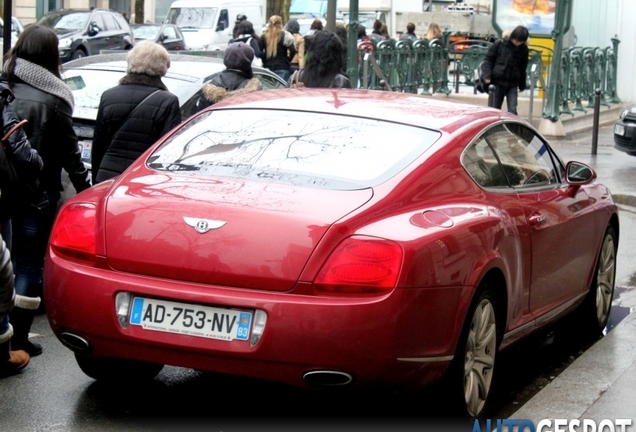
(360, 265)
(73, 234)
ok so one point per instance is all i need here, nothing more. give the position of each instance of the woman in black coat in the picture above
(46, 102)
(134, 114)
(279, 48)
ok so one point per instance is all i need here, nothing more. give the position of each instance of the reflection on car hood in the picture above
(152, 219)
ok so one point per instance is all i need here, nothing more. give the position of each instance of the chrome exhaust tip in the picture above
(325, 378)
(75, 342)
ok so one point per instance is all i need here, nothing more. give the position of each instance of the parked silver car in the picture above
(89, 77)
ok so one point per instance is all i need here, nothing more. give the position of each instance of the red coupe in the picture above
(325, 237)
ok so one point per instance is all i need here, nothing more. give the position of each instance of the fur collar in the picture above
(216, 94)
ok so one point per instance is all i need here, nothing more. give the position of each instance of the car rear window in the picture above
(301, 148)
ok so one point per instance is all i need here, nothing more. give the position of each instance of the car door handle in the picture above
(536, 219)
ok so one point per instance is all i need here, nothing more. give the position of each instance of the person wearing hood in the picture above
(133, 115)
(298, 62)
(237, 79)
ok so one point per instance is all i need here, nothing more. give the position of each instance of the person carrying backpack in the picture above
(505, 67)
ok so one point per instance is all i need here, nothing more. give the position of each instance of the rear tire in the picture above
(596, 308)
(473, 366)
(117, 370)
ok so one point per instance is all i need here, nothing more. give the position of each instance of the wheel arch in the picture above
(495, 280)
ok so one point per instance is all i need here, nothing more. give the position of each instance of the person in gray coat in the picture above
(134, 114)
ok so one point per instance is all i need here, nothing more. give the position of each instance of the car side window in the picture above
(268, 82)
(110, 23)
(169, 33)
(97, 19)
(482, 165)
(525, 159)
(224, 20)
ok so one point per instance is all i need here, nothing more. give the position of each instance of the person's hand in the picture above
(487, 80)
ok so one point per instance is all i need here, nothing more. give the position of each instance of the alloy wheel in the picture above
(606, 273)
(479, 360)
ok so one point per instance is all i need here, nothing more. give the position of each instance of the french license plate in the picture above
(190, 319)
(619, 130)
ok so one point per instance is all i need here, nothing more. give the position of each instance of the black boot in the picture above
(21, 320)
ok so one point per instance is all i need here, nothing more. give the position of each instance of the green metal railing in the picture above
(422, 67)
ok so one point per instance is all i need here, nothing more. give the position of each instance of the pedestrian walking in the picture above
(324, 63)
(434, 34)
(237, 79)
(236, 31)
(410, 33)
(134, 114)
(247, 35)
(279, 47)
(505, 67)
(298, 62)
(46, 102)
(376, 34)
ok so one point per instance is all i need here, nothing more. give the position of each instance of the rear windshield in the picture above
(193, 18)
(300, 148)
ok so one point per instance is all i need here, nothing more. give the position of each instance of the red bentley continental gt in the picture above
(322, 237)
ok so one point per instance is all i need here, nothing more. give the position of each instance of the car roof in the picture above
(417, 110)
(180, 65)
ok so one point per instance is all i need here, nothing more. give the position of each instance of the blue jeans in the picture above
(283, 73)
(510, 93)
(30, 239)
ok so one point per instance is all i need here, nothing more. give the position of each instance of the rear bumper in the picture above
(405, 338)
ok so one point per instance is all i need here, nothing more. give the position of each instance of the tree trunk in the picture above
(139, 11)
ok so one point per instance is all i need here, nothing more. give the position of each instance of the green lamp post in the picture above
(352, 49)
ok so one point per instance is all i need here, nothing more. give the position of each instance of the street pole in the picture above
(331, 15)
(562, 19)
(6, 31)
(352, 49)
(597, 109)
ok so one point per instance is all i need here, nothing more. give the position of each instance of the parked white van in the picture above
(207, 25)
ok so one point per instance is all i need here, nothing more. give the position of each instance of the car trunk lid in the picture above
(223, 232)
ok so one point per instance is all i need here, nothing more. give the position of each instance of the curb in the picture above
(594, 384)
(625, 199)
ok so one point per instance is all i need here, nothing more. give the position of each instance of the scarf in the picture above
(42, 79)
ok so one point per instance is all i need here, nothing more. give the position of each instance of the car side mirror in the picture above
(93, 29)
(577, 173)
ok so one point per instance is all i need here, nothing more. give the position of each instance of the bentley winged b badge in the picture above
(203, 225)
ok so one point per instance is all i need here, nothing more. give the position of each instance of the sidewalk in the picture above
(601, 383)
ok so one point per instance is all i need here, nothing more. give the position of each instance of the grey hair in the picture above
(148, 58)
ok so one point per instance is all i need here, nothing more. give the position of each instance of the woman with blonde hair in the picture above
(434, 32)
(279, 48)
